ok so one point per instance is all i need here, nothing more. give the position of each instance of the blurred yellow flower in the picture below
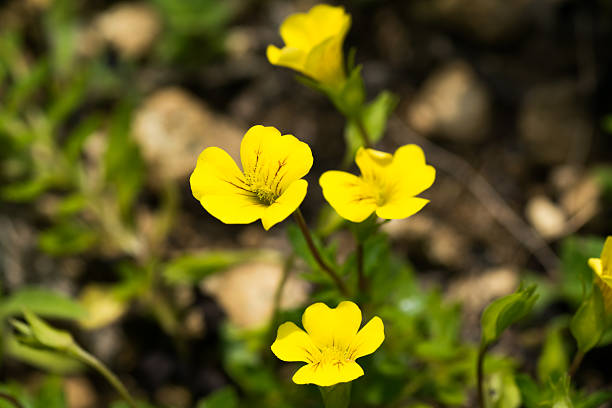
(388, 184)
(313, 44)
(330, 345)
(269, 188)
(602, 267)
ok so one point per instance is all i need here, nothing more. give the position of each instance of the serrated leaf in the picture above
(589, 323)
(42, 302)
(503, 312)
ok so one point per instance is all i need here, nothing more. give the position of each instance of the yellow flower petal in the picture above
(274, 159)
(286, 204)
(348, 194)
(289, 57)
(313, 44)
(220, 187)
(414, 175)
(372, 163)
(606, 257)
(369, 338)
(324, 61)
(328, 327)
(294, 344)
(401, 206)
(596, 266)
(326, 375)
(296, 32)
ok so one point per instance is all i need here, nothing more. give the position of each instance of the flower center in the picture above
(265, 194)
(334, 355)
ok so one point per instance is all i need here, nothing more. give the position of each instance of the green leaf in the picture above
(606, 123)
(26, 86)
(503, 391)
(124, 166)
(195, 267)
(51, 394)
(577, 276)
(42, 302)
(223, 398)
(374, 118)
(594, 400)
(67, 238)
(47, 335)
(50, 361)
(77, 137)
(589, 323)
(67, 100)
(553, 361)
(503, 312)
(26, 190)
(560, 393)
(531, 394)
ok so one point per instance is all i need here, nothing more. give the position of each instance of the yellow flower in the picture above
(313, 44)
(269, 188)
(388, 184)
(603, 273)
(330, 345)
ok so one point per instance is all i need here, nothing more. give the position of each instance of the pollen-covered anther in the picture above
(265, 194)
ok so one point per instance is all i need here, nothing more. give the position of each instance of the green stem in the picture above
(575, 363)
(299, 219)
(97, 365)
(480, 375)
(11, 399)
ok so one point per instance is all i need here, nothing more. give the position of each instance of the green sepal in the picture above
(336, 396)
(589, 323)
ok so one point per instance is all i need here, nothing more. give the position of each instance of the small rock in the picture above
(546, 217)
(453, 104)
(564, 177)
(173, 127)
(173, 396)
(552, 123)
(447, 247)
(413, 228)
(129, 27)
(584, 193)
(246, 292)
(475, 292)
(79, 393)
(489, 21)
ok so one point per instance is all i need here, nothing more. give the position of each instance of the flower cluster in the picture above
(271, 186)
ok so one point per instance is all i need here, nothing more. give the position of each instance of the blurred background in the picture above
(105, 106)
